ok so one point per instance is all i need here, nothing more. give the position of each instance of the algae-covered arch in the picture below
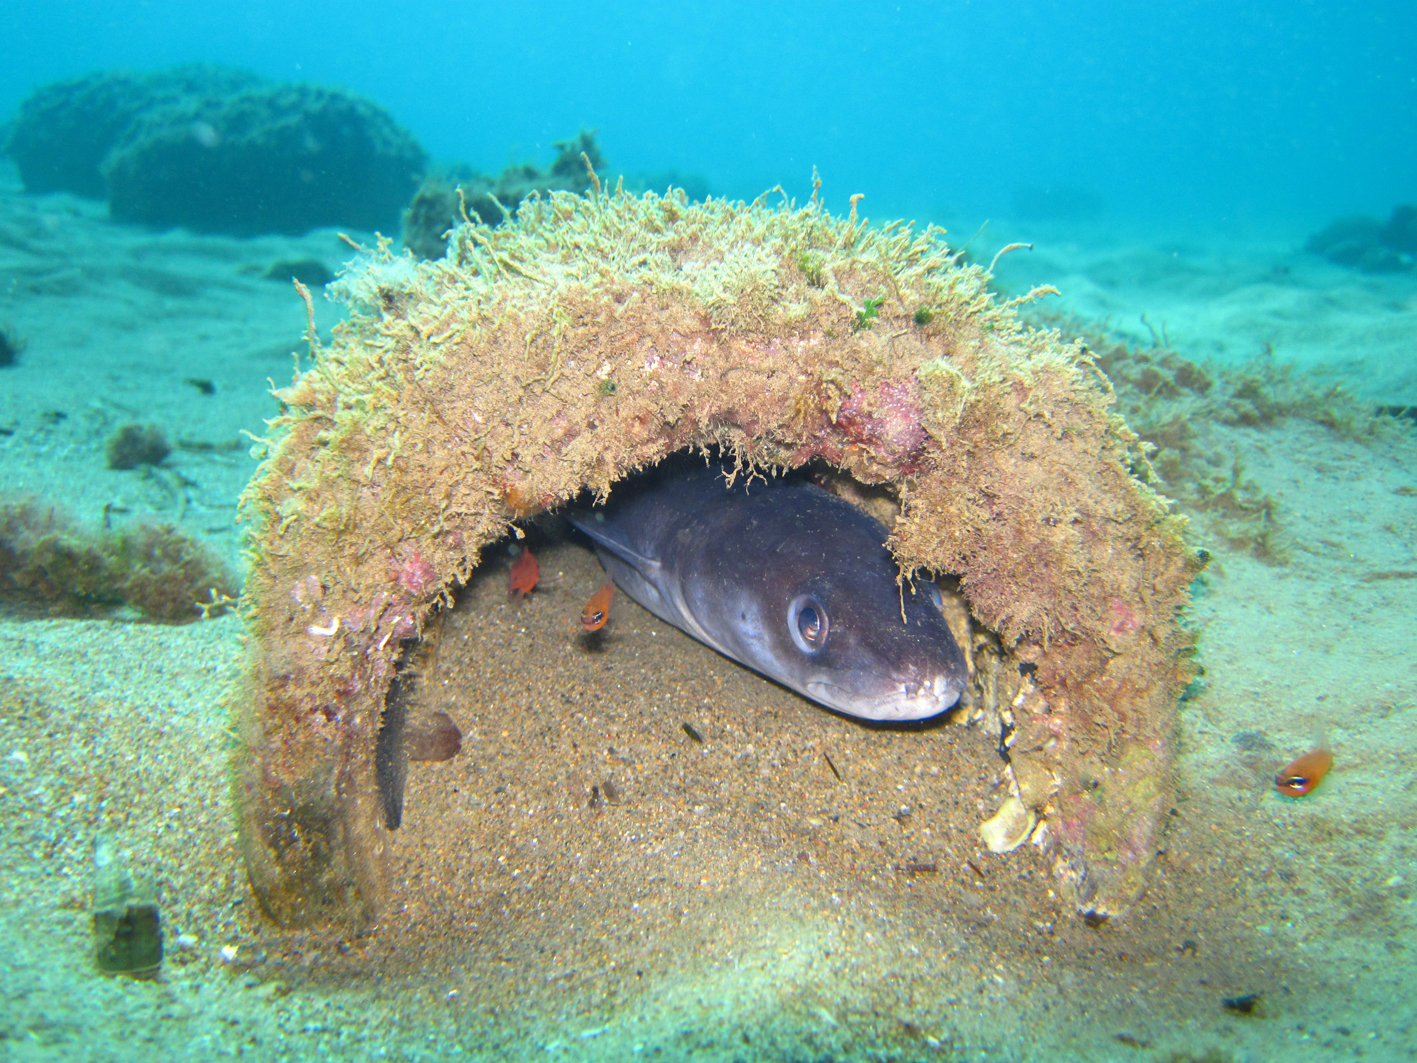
(595, 335)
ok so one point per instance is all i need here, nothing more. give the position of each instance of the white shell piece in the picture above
(1009, 827)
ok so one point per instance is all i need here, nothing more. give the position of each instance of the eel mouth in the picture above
(902, 699)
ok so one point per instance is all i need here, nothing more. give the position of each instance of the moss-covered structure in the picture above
(595, 335)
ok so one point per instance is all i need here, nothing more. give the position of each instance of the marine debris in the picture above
(468, 393)
(127, 922)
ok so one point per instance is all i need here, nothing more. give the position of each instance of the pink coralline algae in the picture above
(1126, 619)
(885, 420)
(414, 574)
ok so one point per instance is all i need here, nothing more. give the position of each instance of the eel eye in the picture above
(807, 621)
(936, 598)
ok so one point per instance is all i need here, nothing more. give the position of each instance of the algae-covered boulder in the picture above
(592, 336)
(65, 130)
(275, 159)
(218, 150)
(1369, 245)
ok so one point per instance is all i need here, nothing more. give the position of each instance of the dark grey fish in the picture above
(786, 579)
(403, 738)
(390, 754)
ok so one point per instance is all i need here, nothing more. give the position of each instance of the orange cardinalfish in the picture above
(1305, 773)
(597, 610)
(525, 573)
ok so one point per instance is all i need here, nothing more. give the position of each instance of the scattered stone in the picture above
(1244, 1005)
(134, 445)
(308, 271)
(10, 347)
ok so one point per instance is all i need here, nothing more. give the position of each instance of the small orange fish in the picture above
(525, 573)
(597, 610)
(1305, 773)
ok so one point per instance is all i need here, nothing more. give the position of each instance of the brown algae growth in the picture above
(591, 336)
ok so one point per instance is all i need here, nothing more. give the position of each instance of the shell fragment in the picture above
(1009, 827)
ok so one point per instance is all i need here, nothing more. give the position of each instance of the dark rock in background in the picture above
(217, 150)
(1400, 232)
(1364, 243)
(694, 185)
(284, 159)
(309, 271)
(435, 208)
(64, 131)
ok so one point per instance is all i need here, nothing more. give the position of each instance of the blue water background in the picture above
(1272, 111)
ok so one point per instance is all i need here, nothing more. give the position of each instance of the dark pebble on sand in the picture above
(1245, 1005)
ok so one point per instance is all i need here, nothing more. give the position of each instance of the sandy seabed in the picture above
(585, 880)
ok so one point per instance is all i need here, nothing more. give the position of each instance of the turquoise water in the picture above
(734, 900)
(1193, 110)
